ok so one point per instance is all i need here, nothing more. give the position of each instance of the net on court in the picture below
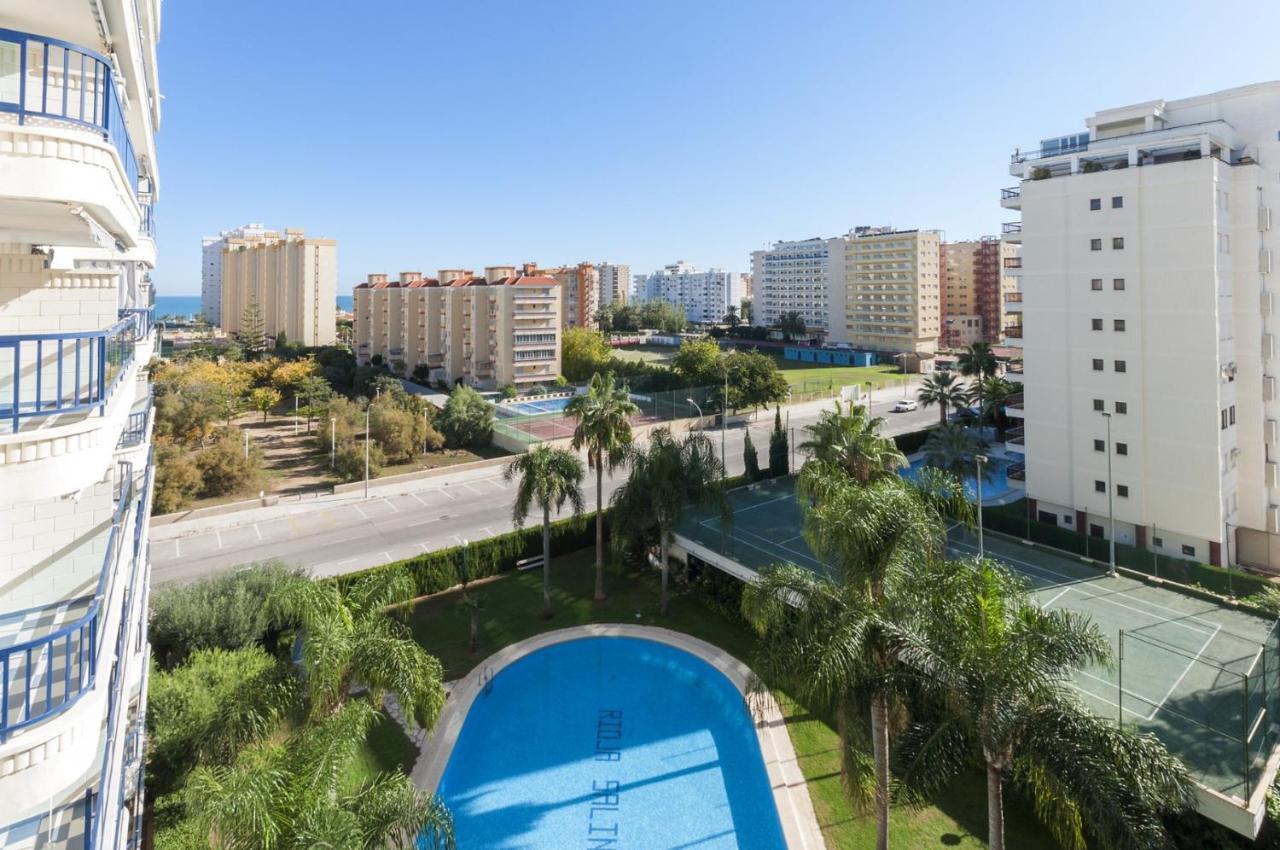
(1202, 677)
(528, 424)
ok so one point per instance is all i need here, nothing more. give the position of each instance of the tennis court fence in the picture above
(655, 407)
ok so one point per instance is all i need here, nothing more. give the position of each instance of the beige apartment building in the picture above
(891, 292)
(580, 291)
(977, 290)
(492, 331)
(293, 280)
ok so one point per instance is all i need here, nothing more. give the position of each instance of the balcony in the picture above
(67, 123)
(1015, 440)
(1017, 472)
(1013, 332)
(1077, 153)
(1011, 231)
(1011, 198)
(135, 431)
(1013, 262)
(44, 377)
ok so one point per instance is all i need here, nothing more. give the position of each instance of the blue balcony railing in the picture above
(146, 318)
(135, 430)
(48, 374)
(46, 78)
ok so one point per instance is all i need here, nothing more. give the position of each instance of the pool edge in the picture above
(791, 798)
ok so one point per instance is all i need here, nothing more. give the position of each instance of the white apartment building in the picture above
(805, 277)
(290, 279)
(492, 331)
(704, 296)
(615, 282)
(1148, 253)
(211, 248)
(79, 106)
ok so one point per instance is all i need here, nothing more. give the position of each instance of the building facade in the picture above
(1150, 321)
(211, 248)
(705, 297)
(291, 280)
(492, 331)
(976, 285)
(615, 283)
(804, 277)
(891, 291)
(579, 291)
(79, 107)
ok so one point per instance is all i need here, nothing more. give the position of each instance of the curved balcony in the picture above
(67, 126)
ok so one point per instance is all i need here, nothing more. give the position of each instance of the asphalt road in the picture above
(340, 534)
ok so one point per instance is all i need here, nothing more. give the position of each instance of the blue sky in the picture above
(425, 135)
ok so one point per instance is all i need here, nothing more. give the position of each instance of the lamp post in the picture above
(696, 407)
(724, 426)
(1111, 507)
(246, 443)
(333, 441)
(295, 414)
(978, 461)
(366, 450)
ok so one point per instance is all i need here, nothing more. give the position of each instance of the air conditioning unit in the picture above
(1268, 346)
(1266, 304)
(1271, 431)
(1264, 261)
(1273, 474)
(1268, 388)
(1264, 218)
(1273, 518)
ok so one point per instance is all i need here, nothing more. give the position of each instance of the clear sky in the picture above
(425, 135)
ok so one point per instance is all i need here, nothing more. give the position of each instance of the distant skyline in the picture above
(424, 135)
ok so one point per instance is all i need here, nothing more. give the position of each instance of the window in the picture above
(1189, 551)
(1120, 366)
(1097, 364)
(1122, 448)
(1098, 404)
(1096, 284)
(1099, 445)
(1046, 516)
(1095, 530)
(1100, 486)
(1095, 244)
(1118, 324)
(1117, 284)
(1122, 490)
(1068, 519)
(1223, 420)
(1232, 417)
(1095, 204)
(1122, 407)
(1097, 324)
(1117, 202)
(1117, 243)
(1158, 541)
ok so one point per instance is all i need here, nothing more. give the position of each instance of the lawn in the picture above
(510, 611)
(798, 373)
(661, 355)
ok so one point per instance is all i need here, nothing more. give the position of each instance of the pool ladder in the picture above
(486, 680)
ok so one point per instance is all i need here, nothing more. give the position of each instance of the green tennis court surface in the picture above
(1203, 677)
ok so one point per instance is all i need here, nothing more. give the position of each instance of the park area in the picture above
(798, 374)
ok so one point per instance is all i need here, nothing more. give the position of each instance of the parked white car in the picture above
(906, 405)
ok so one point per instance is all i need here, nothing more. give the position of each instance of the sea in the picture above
(189, 305)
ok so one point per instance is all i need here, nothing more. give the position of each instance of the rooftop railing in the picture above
(44, 78)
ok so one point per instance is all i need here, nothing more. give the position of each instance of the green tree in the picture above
(755, 380)
(604, 317)
(667, 478)
(977, 362)
(626, 318)
(995, 392)
(1003, 668)
(779, 462)
(225, 470)
(178, 480)
(746, 311)
(252, 335)
(847, 439)
(944, 390)
(954, 449)
(604, 414)
(750, 457)
(661, 316)
(313, 391)
(282, 341)
(548, 478)
(583, 352)
(350, 644)
(399, 433)
(467, 419)
(698, 361)
(349, 460)
(792, 325)
(731, 316)
(262, 399)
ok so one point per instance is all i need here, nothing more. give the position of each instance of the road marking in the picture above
(459, 539)
(445, 492)
(419, 498)
(218, 535)
(257, 531)
(362, 513)
(177, 548)
(487, 530)
(386, 556)
(472, 489)
(424, 547)
(1056, 597)
(387, 502)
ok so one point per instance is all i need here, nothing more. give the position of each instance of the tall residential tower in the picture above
(211, 248)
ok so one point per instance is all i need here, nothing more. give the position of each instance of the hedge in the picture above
(912, 442)
(1012, 519)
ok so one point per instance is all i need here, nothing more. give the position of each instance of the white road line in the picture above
(469, 487)
(487, 530)
(177, 548)
(257, 531)
(218, 535)
(359, 511)
(1185, 671)
(443, 492)
(1056, 597)
(388, 503)
(419, 498)
(424, 547)
(457, 538)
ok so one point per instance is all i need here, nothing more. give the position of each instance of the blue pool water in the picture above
(610, 743)
(994, 486)
(533, 408)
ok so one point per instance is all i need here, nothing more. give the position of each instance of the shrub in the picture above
(1091, 167)
(224, 611)
(225, 470)
(422, 374)
(178, 480)
(1039, 174)
(467, 419)
(397, 432)
(509, 391)
(348, 462)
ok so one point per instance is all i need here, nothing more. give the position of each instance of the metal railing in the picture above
(1011, 192)
(1011, 227)
(1013, 262)
(61, 81)
(55, 373)
(135, 430)
(1017, 471)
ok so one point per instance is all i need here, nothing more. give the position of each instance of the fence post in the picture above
(1120, 683)
(1244, 735)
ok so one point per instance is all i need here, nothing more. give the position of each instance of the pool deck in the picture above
(790, 793)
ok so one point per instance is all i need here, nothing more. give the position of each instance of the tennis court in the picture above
(1203, 677)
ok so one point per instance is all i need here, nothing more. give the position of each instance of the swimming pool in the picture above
(533, 408)
(994, 487)
(610, 742)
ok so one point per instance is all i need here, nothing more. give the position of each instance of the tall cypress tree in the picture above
(253, 334)
(778, 446)
(750, 458)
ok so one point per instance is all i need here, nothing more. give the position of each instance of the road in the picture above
(339, 534)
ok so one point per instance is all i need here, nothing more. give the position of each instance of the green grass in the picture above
(658, 354)
(387, 748)
(510, 611)
(841, 376)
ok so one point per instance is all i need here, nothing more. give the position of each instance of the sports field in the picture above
(1203, 677)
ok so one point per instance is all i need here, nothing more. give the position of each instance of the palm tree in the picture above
(847, 439)
(995, 392)
(604, 428)
(295, 795)
(844, 640)
(978, 362)
(668, 477)
(953, 449)
(350, 643)
(550, 478)
(1002, 676)
(944, 390)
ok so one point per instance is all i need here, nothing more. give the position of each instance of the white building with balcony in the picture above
(703, 296)
(211, 248)
(79, 106)
(804, 277)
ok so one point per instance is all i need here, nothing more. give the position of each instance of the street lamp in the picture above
(978, 461)
(1111, 507)
(333, 441)
(366, 450)
(696, 407)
